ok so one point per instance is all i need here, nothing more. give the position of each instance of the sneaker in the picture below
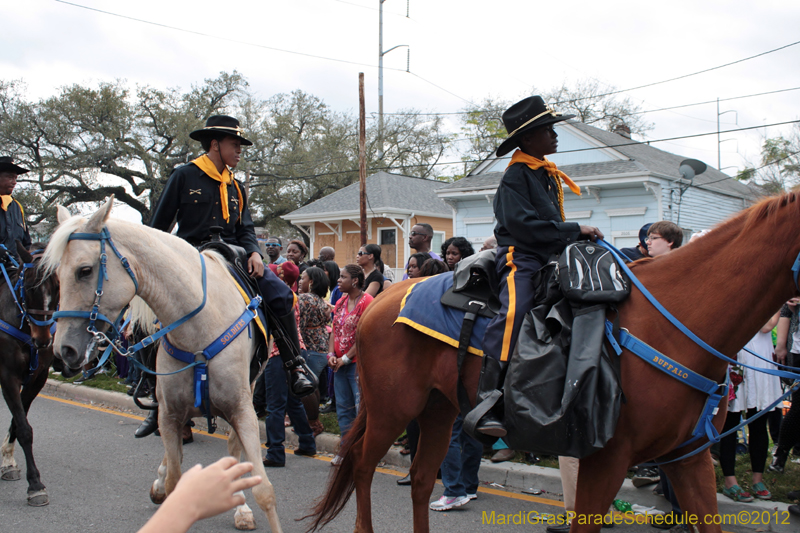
(736, 494)
(646, 476)
(473, 496)
(445, 503)
(761, 492)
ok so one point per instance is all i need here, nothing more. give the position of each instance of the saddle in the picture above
(236, 256)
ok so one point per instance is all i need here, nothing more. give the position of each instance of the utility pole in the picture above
(362, 159)
(719, 150)
(382, 53)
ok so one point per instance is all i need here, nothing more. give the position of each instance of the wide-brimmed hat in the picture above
(7, 165)
(524, 116)
(221, 124)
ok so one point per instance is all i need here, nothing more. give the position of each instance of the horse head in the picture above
(92, 282)
(40, 297)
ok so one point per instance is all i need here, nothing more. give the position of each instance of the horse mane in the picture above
(58, 243)
(769, 208)
(143, 316)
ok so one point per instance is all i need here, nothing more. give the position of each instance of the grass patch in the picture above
(99, 381)
(330, 423)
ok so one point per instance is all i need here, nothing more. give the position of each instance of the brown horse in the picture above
(724, 287)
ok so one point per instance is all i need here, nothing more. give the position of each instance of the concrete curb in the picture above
(513, 476)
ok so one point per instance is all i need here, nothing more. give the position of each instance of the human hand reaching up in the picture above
(202, 493)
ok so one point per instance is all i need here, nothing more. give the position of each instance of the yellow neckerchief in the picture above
(552, 171)
(6, 199)
(205, 164)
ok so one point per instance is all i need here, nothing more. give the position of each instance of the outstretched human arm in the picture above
(202, 493)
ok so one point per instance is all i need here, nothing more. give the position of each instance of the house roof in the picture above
(643, 159)
(385, 192)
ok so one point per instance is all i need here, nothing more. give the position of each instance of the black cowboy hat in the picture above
(524, 116)
(7, 165)
(221, 124)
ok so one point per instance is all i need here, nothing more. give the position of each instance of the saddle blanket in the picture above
(422, 310)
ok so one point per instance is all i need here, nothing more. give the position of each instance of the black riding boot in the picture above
(302, 381)
(149, 425)
(487, 417)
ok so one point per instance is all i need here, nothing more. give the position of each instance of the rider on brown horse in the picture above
(12, 218)
(529, 208)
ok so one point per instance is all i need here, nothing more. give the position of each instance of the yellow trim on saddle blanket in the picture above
(428, 331)
(246, 299)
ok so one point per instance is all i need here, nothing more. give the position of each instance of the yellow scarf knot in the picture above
(552, 171)
(205, 164)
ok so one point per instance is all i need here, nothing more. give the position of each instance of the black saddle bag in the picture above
(562, 390)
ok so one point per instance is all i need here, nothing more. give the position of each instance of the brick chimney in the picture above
(622, 129)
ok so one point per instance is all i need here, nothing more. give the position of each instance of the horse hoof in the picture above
(38, 498)
(244, 521)
(10, 473)
(155, 497)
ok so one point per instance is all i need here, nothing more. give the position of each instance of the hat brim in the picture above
(199, 135)
(513, 140)
(11, 167)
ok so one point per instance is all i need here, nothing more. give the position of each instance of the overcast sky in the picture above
(471, 49)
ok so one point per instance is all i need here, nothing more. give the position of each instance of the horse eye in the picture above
(84, 272)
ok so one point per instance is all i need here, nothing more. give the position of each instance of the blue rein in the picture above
(715, 391)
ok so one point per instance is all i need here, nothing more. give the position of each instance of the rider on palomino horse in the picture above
(529, 208)
(204, 194)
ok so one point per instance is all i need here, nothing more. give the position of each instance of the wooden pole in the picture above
(362, 159)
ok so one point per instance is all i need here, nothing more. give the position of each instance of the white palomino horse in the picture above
(168, 271)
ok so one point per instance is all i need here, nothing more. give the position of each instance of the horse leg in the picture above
(9, 471)
(599, 478)
(37, 494)
(243, 518)
(694, 483)
(169, 472)
(436, 425)
(245, 438)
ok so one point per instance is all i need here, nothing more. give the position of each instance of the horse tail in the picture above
(341, 482)
(142, 316)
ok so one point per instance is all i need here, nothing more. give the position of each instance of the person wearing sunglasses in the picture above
(419, 238)
(274, 247)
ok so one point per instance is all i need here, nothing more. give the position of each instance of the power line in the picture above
(765, 165)
(620, 145)
(223, 38)
(692, 74)
(624, 114)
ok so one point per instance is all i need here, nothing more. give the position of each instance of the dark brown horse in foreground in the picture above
(724, 287)
(20, 384)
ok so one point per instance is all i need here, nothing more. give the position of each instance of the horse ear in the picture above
(24, 254)
(63, 214)
(98, 220)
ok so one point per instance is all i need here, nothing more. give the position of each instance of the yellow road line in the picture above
(392, 472)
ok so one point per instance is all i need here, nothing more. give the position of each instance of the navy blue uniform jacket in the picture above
(528, 218)
(13, 228)
(193, 198)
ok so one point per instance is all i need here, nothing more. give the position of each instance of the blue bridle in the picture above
(119, 324)
(18, 294)
(715, 391)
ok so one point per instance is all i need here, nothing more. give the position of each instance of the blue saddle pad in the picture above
(422, 310)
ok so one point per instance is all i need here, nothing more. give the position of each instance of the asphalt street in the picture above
(98, 477)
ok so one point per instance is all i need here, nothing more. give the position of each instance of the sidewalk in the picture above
(511, 476)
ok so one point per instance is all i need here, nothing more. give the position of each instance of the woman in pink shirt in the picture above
(342, 349)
